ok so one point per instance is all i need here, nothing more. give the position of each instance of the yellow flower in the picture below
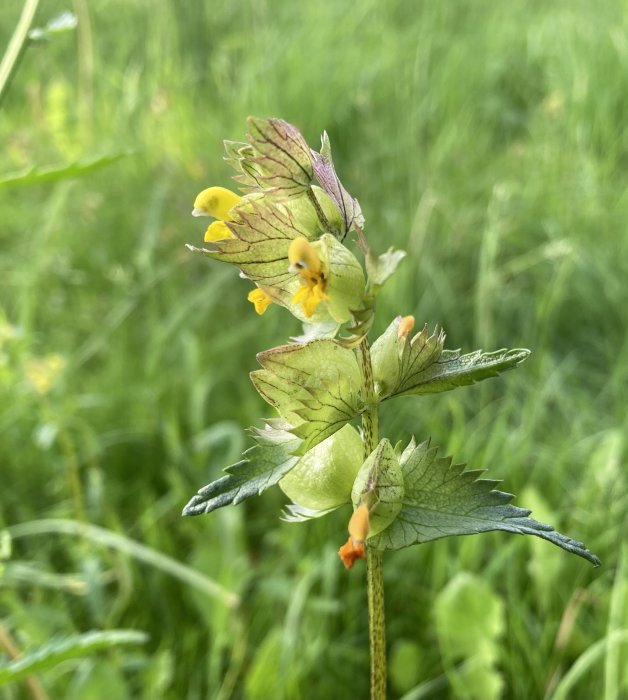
(217, 231)
(260, 300)
(354, 548)
(217, 202)
(43, 372)
(304, 261)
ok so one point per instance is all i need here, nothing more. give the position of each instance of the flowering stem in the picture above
(374, 571)
(377, 629)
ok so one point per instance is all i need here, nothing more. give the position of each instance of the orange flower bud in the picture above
(349, 552)
(358, 532)
(405, 326)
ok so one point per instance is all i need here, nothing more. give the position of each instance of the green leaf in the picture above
(425, 368)
(314, 387)
(379, 485)
(262, 467)
(329, 181)
(39, 175)
(59, 650)
(441, 499)
(380, 268)
(469, 623)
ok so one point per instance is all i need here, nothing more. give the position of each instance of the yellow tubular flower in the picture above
(303, 257)
(217, 231)
(305, 262)
(216, 202)
(260, 300)
(359, 524)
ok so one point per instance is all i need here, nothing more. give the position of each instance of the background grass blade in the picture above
(60, 650)
(10, 60)
(134, 549)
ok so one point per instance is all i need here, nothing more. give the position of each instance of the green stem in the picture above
(377, 627)
(374, 570)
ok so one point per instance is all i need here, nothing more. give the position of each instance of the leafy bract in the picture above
(324, 476)
(381, 267)
(263, 230)
(379, 486)
(441, 499)
(345, 284)
(293, 513)
(329, 181)
(314, 387)
(421, 366)
(262, 467)
(386, 354)
(282, 156)
(362, 320)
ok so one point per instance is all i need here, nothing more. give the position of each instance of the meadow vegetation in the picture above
(487, 139)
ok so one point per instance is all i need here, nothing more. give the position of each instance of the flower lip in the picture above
(217, 231)
(350, 552)
(306, 263)
(216, 202)
(260, 300)
(303, 257)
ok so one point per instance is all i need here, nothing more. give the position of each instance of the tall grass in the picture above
(488, 139)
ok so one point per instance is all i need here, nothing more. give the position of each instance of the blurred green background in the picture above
(490, 140)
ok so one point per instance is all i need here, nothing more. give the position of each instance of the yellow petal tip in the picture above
(260, 300)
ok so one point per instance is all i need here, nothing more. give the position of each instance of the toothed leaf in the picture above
(441, 499)
(262, 467)
(425, 368)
